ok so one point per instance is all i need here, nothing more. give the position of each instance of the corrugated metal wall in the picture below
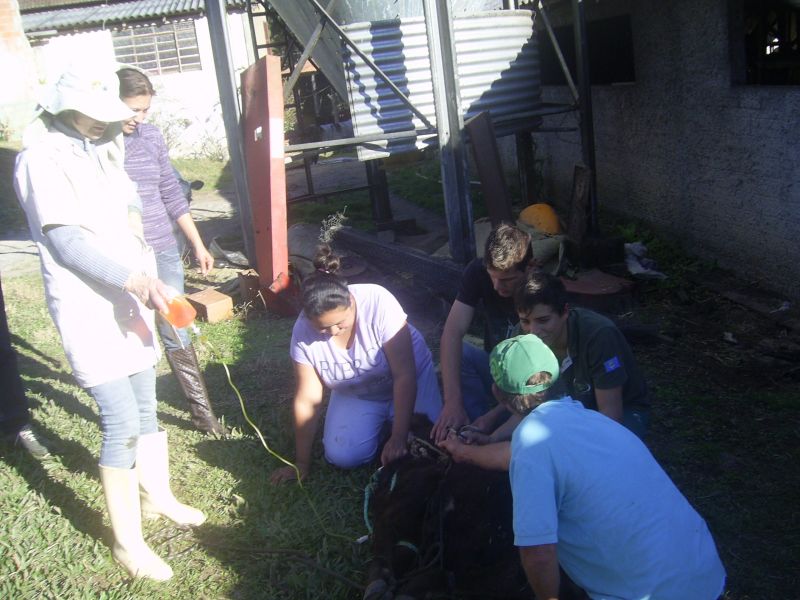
(358, 11)
(498, 70)
(301, 18)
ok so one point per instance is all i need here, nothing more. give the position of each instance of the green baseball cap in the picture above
(515, 360)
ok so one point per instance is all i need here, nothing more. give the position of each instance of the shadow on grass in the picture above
(270, 539)
(60, 496)
(282, 533)
(40, 369)
(40, 373)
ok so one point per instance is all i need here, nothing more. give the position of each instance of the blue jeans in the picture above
(170, 271)
(353, 425)
(127, 410)
(476, 380)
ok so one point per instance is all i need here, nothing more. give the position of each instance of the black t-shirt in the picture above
(500, 315)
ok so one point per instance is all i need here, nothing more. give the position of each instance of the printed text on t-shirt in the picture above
(349, 369)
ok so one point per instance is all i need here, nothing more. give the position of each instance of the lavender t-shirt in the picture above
(361, 370)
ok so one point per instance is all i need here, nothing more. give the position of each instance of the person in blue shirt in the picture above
(588, 495)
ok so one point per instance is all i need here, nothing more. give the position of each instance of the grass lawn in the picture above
(260, 541)
(725, 427)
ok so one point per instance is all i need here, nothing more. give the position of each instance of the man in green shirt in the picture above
(597, 365)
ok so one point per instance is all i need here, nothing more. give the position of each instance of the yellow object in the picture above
(542, 217)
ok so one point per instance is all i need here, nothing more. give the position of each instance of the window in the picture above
(771, 30)
(159, 49)
(610, 43)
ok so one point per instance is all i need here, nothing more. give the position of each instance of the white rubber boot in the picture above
(152, 464)
(121, 490)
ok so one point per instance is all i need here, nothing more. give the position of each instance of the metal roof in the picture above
(29, 5)
(113, 14)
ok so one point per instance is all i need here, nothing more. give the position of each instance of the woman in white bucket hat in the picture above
(84, 216)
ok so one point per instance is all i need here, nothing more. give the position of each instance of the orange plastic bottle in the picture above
(179, 312)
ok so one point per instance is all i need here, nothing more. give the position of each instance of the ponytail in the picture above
(324, 290)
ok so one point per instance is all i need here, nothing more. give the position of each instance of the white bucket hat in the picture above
(93, 93)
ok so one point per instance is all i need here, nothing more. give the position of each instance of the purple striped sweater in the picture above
(147, 164)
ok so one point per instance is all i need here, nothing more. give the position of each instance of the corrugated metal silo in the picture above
(498, 70)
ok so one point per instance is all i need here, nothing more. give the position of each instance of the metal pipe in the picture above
(371, 64)
(424, 133)
(354, 141)
(307, 197)
(564, 68)
(301, 62)
(556, 129)
(231, 111)
(542, 112)
(449, 121)
(587, 118)
(252, 27)
(301, 125)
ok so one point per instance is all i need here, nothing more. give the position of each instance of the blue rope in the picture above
(408, 545)
(368, 491)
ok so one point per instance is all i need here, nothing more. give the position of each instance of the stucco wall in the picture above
(19, 80)
(711, 163)
(186, 105)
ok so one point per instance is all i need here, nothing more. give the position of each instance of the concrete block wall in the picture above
(713, 164)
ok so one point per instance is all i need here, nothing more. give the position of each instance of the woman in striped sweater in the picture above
(164, 206)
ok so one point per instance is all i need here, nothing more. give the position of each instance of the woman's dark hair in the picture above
(541, 287)
(324, 290)
(134, 83)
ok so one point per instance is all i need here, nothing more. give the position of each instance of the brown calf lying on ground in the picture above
(444, 530)
(441, 529)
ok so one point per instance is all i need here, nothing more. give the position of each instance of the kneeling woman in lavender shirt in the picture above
(355, 340)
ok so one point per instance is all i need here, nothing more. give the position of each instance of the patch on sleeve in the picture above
(612, 364)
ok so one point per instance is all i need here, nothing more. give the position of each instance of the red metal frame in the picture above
(262, 123)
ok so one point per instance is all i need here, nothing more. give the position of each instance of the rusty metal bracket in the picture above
(490, 168)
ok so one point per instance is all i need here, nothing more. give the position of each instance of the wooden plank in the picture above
(490, 168)
(579, 203)
(762, 307)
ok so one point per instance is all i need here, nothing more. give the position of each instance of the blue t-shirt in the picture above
(623, 530)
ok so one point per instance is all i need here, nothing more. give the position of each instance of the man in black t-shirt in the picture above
(489, 281)
(597, 366)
